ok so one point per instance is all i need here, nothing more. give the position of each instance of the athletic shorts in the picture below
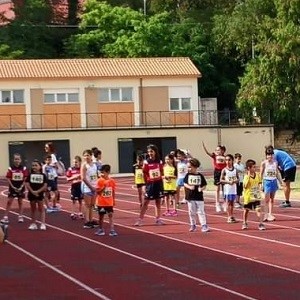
(139, 185)
(102, 210)
(154, 190)
(180, 182)
(33, 198)
(169, 193)
(239, 189)
(252, 205)
(217, 177)
(289, 174)
(52, 185)
(270, 186)
(13, 194)
(76, 193)
(230, 197)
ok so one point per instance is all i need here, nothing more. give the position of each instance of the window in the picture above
(180, 103)
(12, 96)
(180, 98)
(115, 94)
(65, 96)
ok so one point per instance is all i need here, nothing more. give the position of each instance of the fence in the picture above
(130, 120)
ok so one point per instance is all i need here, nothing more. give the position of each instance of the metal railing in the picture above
(100, 120)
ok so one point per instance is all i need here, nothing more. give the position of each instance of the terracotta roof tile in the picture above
(102, 67)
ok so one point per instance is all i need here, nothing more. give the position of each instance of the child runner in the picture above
(52, 192)
(139, 177)
(194, 185)
(105, 201)
(153, 172)
(89, 176)
(16, 176)
(269, 172)
(229, 179)
(182, 170)
(73, 176)
(169, 182)
(36, 184)
(240, 167)
(219, 164)
(252, 194)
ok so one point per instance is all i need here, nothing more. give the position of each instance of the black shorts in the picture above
(217, 177)
(140, 185)
(52, 185)
(289, 174)
(154, 190)
(13, 194)
(102, 210)
(239, 189)
(253, 205)
(76, 193)
(33, 198)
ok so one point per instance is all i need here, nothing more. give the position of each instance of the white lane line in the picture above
(199, 280)
(68, 277)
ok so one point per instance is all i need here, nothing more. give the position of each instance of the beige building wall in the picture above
(249, 141)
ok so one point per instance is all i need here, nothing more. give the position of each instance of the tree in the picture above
(271, 78)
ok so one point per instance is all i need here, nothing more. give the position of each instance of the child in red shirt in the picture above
(105, 200)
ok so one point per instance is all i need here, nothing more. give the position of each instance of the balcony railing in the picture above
(130, 120)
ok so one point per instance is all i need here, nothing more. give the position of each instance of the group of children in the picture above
(236, 179)
(162, 182)
(90, 182)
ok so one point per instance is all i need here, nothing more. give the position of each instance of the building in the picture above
(119, 105)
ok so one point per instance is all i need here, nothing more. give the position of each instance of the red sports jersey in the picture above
(153, 170)
(17, 175)
(219, 162)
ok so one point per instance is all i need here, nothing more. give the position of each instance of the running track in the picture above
(150, 262)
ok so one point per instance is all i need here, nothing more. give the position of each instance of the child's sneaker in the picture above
(80, 216)
(113, 233)
(20, 219)
(100, 231)
(49, 210)
(167, 214)
(231, 220)
(244, 226)
(183, 201)
(5, 220)
(174, 213)
(265, 218)
(205, 228)
(33, 226)
(139, 223)
(159, 222)
(94, 223)
(73, 216)
(43, 226)
(193, 228)
(261, 226)
(271, 218)
(88, 225)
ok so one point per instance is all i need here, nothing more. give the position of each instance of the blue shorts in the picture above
(230, 197)
(180, 182)
(270, 186)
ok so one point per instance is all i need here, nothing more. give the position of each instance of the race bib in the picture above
(17, 176)
(107, 193)
(255, 193)
(194, 180)
(36, 178)
(154, 173)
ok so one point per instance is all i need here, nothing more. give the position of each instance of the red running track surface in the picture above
(150, 262)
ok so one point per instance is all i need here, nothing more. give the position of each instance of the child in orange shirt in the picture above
(105, 200)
